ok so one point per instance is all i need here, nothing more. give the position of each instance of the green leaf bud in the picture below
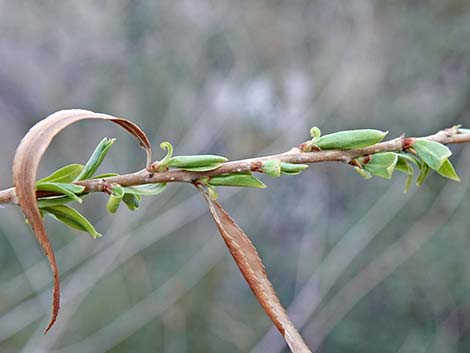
(272, 167)
(315, 132)
(292, 169)
(185, 162)
(350, 139)
(96, 159)
(163, 164)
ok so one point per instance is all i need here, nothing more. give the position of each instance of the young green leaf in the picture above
(363, 173)
(204, 168)
(162, 165)
(54, 201)
(410, 158)
(212, 193)
(434, 154)
(72, 218)
(244, 179)
(448, 171)
(117, 194)
(404, 167)
(131, 201)
(195, 161)
(382, 164)
(146, 189)
(315, 133)
(292, 169)
(96, 158)
(104, 176)
(69, 190)
(350, 139)
(113, 204)
(423, 173)
(272, 167)
(65, 174)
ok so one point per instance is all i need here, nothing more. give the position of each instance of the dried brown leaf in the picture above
(248, 261)
(25, 165)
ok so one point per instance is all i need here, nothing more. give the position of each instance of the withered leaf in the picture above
(25, 165)
(248, 261)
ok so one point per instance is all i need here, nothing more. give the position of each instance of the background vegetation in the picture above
(363, 267)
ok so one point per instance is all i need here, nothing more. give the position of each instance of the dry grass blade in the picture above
(25, 165)
(252, 268)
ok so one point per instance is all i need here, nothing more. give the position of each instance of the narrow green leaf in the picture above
(315, 133)
(54, 201)
(205, 168)
(404, 167)
(363, 173)
(272, 167)
(69, 190)
(212, 192)
(131, 201)
(350, 139)
(72, 218)
(195, 161)
(113, 204)
(146, 189)
(410, 158)
(96, 159)
(65, 174)
(117, 194)
(163, 164)
(117, 190)
(292, 169)
(104, 176)
(448, 171)
(382, 164)
(245, 179)
(434, 154)
(423, 173)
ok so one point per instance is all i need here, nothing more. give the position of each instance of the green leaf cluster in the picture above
(425, 155)
(62, 182)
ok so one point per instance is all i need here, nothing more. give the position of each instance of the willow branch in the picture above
(295, 156)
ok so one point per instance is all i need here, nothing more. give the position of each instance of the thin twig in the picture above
(295, 156)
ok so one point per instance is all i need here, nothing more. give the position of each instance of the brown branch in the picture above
(295, 156)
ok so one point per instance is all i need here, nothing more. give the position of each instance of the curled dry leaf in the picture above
(248, 261)
(25, 165)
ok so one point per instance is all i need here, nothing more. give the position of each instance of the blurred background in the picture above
(361, 266)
